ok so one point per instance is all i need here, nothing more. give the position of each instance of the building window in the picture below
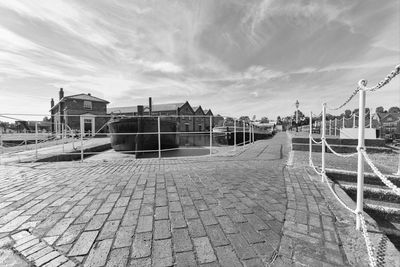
(186, 127)
(87, 104)
(200, 128)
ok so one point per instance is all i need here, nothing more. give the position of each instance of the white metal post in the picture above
(323, 141)
(62, 137)
(360, 147)
(211, 135)
(398, 168)
(234, 134)
(343, 122)
(36, 140)
(370, 119)
(253, 135)
(82, 132)
(354, 120)
(159, 136)
(1, 146)
(26, 142)
(310, 141)
(244, 133)
(335, 126)
(330, 127)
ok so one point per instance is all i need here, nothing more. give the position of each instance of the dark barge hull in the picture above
(228, 137)
(132, 141)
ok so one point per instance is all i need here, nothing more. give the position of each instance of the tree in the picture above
(347, 113)
(379, 110)
(355, 111)
(264, 120)
(244, 118)
(394, 110)
(46, 119)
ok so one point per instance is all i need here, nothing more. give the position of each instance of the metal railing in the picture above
(191, 133)
(361, 154)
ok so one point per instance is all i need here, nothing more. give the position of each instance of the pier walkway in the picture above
(245, 208)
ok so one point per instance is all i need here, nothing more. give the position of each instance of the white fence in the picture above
(361, 154)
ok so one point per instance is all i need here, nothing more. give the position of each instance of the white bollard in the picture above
(323, 141)
(343, 122)
(354, 120)
(159, 136)
(334, 133)
(398, 168)
(330, 127)
(310, 141)
(82, 132)
(36, 140)
(360, 147)
(370, 119)
(211, 136)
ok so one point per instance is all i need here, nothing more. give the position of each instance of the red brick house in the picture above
(69, 111)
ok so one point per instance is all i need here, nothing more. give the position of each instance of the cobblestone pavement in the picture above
(244, 209)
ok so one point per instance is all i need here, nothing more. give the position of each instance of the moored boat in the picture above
(131, 134)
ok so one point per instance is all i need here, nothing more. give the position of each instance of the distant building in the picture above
(69, 111)
(389, 124)
(187, 120)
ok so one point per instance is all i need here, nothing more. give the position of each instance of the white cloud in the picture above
(162, 66)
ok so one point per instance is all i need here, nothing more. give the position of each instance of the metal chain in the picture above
(348, 100)
(384, 179)
(385, 81)
(312, 139)
(325, 178)
(370, 248)
(338, 154)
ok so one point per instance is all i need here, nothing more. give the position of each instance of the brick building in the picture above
(69, 111)
(389, 124)
(187, 120)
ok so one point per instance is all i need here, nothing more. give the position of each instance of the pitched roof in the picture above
(156, 108)
(81, 97)
(86, 97)
(384, 115)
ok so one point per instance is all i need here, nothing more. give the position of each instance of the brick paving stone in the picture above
(251, 235)
(227, 257)
(185, 259)
(83, 244)
(208, 218)
(175, 206)
(105, 208)
(130, 218)
(146, 209)
(141, 246)
(161, 213)
(242, 248)
(40, 253)
(162, 253)
(227, 225)
(124, 237)
(118, 257)
(162, 229)
(196, 228)
(190, 212)
(98, 254)
(27, 245)
(60, 227)
(253, 263)
(68, 264)
(96, 222)
(57, 261)
(86, 216)
(235, 215)
(109, 229)
(218, 210)
(204, 250)
(140, 262)
(145, 224)
(181, 240)
(177, 220)
(134, 204)
(11, 215)
(46, 258)
(117, 213)
(75, 212)
(70, 234)
(122, 202)
(33, 249)
(13, 224)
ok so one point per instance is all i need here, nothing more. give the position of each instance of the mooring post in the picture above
(82, 132)
(244, 133)
(211, 137)
(354, 120)
(36, 140)
(234, 134)
(323, 138)
(159, 136)
(360, 148)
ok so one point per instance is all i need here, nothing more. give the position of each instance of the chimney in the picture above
(150, 106)
(61, 93)
(89, 94)
(52, 103)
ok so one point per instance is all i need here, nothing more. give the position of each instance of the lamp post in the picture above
(297, 114)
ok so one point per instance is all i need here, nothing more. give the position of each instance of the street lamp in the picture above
(297, 111)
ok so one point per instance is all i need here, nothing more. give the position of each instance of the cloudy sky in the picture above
(236, 57)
